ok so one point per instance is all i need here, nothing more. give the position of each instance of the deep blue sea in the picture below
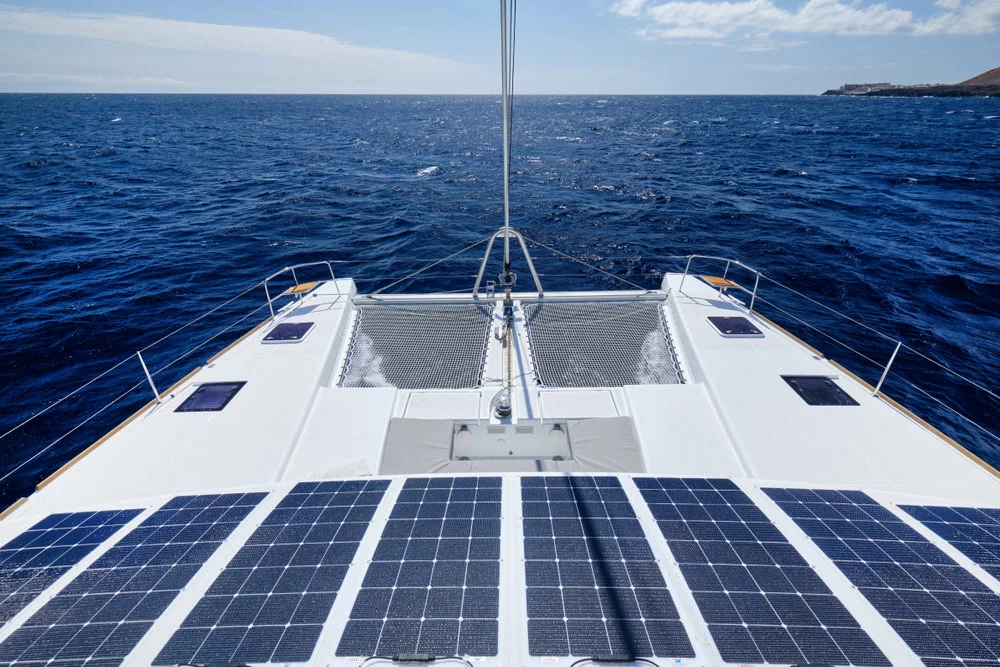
(123, 217)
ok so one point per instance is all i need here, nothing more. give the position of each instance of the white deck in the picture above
(734, 417)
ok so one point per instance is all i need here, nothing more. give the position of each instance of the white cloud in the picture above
(710, 20)
(628, 7)
(223, 57)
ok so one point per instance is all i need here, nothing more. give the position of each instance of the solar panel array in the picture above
(761, 600)
(36, 558)
(944, 614)
(433, 585)
(270, 602)
(973, 531)
(593, 584)
(100, 616)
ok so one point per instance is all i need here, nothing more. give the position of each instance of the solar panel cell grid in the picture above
(973, 531)
(100, 616)
(35, 559)
(270, 602)
(762, 601)
(433, 585)
(942, 612)
(593, 585)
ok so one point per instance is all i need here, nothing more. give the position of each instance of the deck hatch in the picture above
(593, 584)
(100, 616)
(289, 332)
(418, 346)
(271, 601)
(736, 327)
(818, 390)
(938, 608)
(973, 531)
(433, 585)
(36, 558)
(210, 397)
(601, 344)
(761, 600)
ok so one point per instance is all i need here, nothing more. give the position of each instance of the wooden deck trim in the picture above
(301, 288)
(716, 281)
(13, 506)
(798, 340)
(236, 342)
(921, 422)
(76, 459)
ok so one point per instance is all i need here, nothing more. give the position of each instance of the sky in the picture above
(452, 46)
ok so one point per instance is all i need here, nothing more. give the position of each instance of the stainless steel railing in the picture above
(291, 269)
(898, 345)
(729, 265)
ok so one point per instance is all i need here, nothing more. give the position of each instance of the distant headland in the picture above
(986, 84)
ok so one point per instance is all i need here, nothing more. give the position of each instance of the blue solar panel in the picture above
(100, 616)
(762, 601)
(973, 531)
(593, 584)
(271, 601)
(36, 558)
(433, 585)
(944, 614)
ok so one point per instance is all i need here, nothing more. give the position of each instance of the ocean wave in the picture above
(428, 171)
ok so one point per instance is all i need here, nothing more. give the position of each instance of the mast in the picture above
(507, 43)
(503, 402)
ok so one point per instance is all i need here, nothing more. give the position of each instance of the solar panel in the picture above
(973, 531)
(36, 558)
(941, 611)
(433, 585)
(762, 601)
(100, 616)
(271, 601)
(593, 584)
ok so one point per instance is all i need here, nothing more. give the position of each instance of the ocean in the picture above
(122, 217)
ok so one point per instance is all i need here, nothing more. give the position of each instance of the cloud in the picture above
(710, 20)
(628, 7)
(209, 55)
(49, 77)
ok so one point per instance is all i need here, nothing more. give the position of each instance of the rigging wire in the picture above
(508, 14)
(590, 266)
(431, 265)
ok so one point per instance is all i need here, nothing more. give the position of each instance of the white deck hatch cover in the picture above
(418, 346)
(601, 344)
